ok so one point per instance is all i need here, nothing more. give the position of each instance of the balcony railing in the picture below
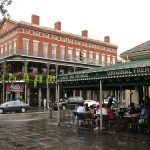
(65, 58)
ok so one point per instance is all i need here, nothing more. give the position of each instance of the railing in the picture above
(65, 58)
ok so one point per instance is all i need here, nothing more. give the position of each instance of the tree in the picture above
(3, 10)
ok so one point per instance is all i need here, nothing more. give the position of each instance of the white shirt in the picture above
(81, 109)
(104, 111)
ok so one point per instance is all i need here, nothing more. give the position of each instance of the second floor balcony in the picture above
(58, 57)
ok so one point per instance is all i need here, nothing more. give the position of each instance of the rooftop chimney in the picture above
(107, 39)
(35, 19)
(85, 33)
(57, 25)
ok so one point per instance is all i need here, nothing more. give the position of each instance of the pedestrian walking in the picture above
(49, 103)
(45, 102)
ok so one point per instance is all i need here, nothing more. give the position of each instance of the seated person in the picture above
(144, 114)
(92, 109)
(104, 112)
(132, 109)
(110, 112)
(86, 107)
(81, 109)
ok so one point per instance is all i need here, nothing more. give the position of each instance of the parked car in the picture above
(91, 102)
(69, 103)
(14, 106)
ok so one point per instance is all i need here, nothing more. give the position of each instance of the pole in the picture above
(58, 105)
(101, 118)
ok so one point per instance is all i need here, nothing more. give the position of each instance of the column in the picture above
(47, 89)
(136, 96)
(4, 71)
(101, 120)
(39, 96)
(28, 96)
(80, 93)
(25, 70)
(56, 96)
(74, 91)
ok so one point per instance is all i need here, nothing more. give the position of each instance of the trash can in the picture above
(50, 112)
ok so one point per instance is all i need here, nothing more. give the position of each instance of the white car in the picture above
(91, 102)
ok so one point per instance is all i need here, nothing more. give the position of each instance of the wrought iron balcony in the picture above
(64, 58)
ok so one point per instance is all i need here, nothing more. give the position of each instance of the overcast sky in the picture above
(127, 22)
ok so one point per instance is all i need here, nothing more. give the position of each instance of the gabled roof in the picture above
(142, 47)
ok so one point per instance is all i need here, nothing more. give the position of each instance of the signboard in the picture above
(107, 74)
(14, 88)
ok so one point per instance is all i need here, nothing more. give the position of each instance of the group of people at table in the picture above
(142, 114)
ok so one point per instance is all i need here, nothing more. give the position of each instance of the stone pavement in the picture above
(45, 134)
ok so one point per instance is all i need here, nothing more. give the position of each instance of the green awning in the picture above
(127, 69)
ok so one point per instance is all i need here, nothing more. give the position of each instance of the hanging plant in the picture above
(40, 78)
(20, 75)
(31, 75)
(35, 81)
(26, 78)
(3, 79)
(50, 79)
(10, 77)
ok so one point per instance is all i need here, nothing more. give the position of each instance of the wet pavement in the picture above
(35, 131)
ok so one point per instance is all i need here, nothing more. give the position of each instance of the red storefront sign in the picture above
(14, 88)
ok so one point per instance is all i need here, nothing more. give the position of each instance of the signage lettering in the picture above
(129, 71)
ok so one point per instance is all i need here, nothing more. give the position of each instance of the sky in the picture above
(125, 21)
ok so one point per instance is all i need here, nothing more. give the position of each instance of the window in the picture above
(103, 48)
(45, 35)
(35, 48)
(63, 39)
(84, 56)
(97, 58)
(45, 49)
(77, 55)
(54, 51)
(15, 44)
(62, 53)
(114, 50)
(5, 50)
(103, 60)
(25, 46)
(54, 37)
(108, 59)
(108, 48)
(97, 47)
(70, 40)
(91, 55)
(2, 54)
(10, 48)
(77, 42)
(114, 60)
(70, 54)
(26, 30)
(36, 33)
(84, 43)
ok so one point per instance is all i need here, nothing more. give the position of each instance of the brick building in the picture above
(37, 52)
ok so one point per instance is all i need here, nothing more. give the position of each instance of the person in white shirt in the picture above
(104, 112)
(80, 109)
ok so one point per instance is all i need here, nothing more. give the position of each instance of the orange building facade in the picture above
(31, 48)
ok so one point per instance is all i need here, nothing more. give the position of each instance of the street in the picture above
(35, 131)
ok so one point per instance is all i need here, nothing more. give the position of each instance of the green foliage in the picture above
(3, 10)
(35, 81)
(40, 78)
